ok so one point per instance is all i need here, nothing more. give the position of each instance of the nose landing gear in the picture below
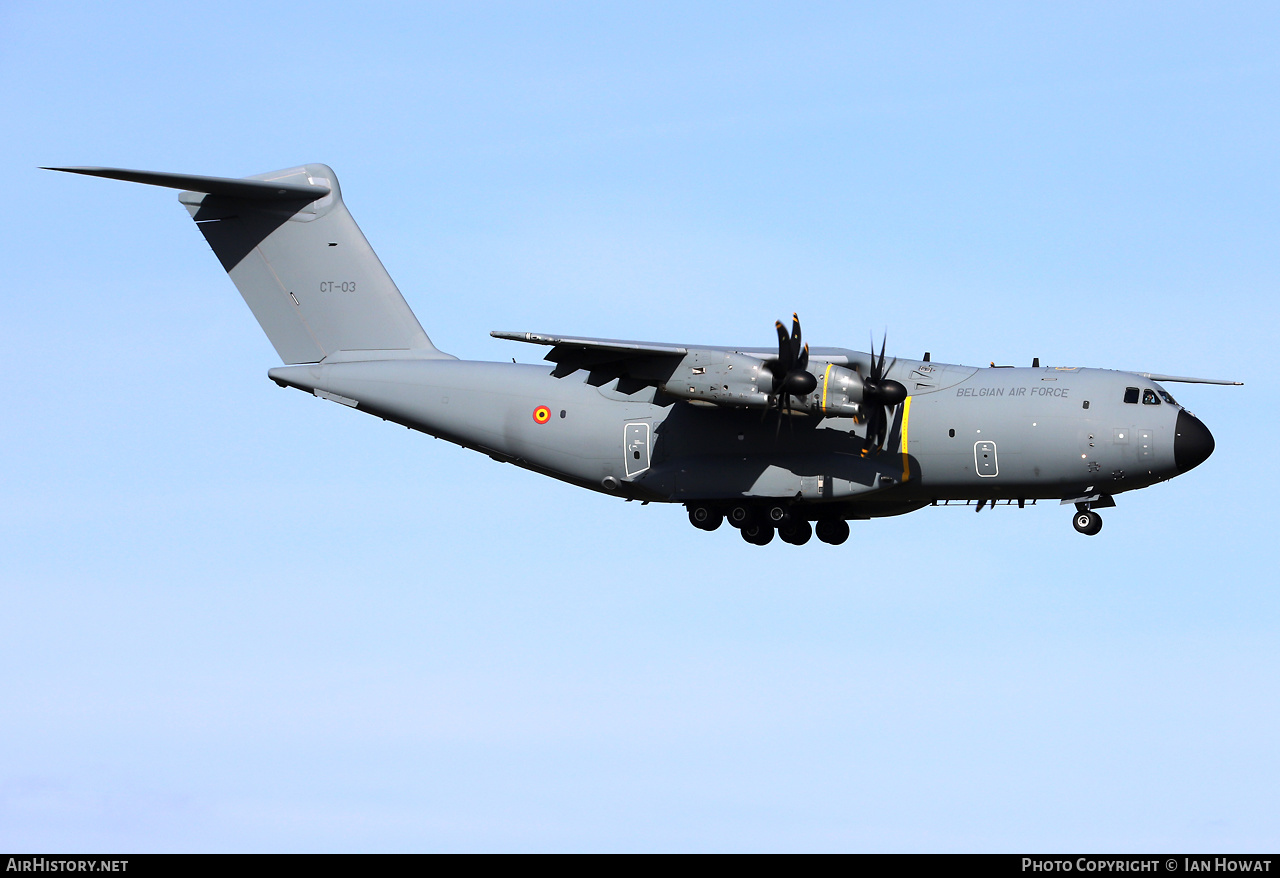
(1087, 522)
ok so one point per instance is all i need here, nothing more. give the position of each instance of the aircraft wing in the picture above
(607, 357)
(611, 345)
(1155, 377)
(707, 373)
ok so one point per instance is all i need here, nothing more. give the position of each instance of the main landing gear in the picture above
(833, 530)
(759, 524)
(796, 532)
(704, 517)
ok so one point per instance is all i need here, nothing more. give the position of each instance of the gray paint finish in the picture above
(676, 423)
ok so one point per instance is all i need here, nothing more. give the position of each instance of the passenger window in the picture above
(1149, 398)
(1131, 395)
(1164, 394)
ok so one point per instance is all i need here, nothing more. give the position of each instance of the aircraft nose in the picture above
(1192, 442)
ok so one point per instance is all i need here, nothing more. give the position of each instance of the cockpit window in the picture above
(1149, 398)
(1164, 394)
(1131, 395)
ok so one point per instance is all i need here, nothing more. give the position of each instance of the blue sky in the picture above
(242, 619)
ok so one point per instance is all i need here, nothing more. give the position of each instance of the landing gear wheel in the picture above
(757, 534)
(777, 515)
(833, 530)
(704, 517)
(796, 532)
(740, 515)
(1087, 523)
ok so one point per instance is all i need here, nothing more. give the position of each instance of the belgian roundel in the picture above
(542, 414)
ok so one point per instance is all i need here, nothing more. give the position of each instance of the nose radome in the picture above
(1192, 442)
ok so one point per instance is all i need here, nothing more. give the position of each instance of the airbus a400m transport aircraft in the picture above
(771, 439)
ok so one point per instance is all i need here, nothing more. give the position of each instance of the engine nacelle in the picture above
(838, 393)
(730, 379)
(721, 378)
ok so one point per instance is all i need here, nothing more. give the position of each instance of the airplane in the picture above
(789, 440)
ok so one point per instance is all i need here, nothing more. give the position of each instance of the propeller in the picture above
(879, 393)
(791, 375)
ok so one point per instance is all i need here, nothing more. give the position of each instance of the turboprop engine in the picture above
(721, 378)
(839, 392)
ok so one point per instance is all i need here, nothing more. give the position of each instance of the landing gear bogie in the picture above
(758, 523)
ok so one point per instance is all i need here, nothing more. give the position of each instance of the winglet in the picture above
(233, 187)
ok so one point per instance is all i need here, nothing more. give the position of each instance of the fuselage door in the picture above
(635, 447)
(984, 459)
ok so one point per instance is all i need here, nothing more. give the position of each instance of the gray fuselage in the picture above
(763, 438)
(963, 434)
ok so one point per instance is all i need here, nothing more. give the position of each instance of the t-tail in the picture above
(300, 261)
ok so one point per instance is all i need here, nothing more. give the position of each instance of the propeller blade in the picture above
(875, 415)
(785, 355)
(790, 371)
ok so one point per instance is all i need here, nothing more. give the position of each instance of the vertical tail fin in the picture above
(300, 261)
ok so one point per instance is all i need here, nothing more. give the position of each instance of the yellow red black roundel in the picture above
(542, 414)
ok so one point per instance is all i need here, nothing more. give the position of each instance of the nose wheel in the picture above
(1087, 522)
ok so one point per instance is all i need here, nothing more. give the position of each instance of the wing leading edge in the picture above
(620, 346)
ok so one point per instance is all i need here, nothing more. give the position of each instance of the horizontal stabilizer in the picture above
(230, 187)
